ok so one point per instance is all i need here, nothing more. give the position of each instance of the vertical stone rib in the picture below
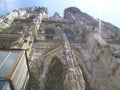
(73, 79)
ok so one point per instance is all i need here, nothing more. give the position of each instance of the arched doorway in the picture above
(49, 34)
(55, 75)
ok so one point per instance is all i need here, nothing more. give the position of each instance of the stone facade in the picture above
(64, 53)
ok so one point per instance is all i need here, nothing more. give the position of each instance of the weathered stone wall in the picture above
(85, 22)
(107, 65)
(96, 54)
(100, 56)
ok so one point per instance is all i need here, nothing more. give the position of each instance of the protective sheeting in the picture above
(5, 85)
(7, 62)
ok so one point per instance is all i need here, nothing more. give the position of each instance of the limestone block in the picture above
(40, 16)
(41, 37)
(115, 48)
(106, 58)
(44, 15)
(22, 12)
(116, 73)
(114, 81)
(108, 33)
(11, 16)
(4, 25)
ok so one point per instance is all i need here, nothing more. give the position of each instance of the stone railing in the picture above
(9, 37)
(55, 46)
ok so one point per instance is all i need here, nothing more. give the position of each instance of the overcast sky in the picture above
(107, 10)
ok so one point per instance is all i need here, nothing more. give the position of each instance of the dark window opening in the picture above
(31, 17)
(49, 34)
(69, 34)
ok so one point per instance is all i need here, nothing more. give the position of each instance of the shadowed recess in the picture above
(55, 76)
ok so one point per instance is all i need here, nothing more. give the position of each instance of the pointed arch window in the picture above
(69, 34)
(49, 34)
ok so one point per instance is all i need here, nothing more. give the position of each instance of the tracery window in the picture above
(69, 34)
(49, 34)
